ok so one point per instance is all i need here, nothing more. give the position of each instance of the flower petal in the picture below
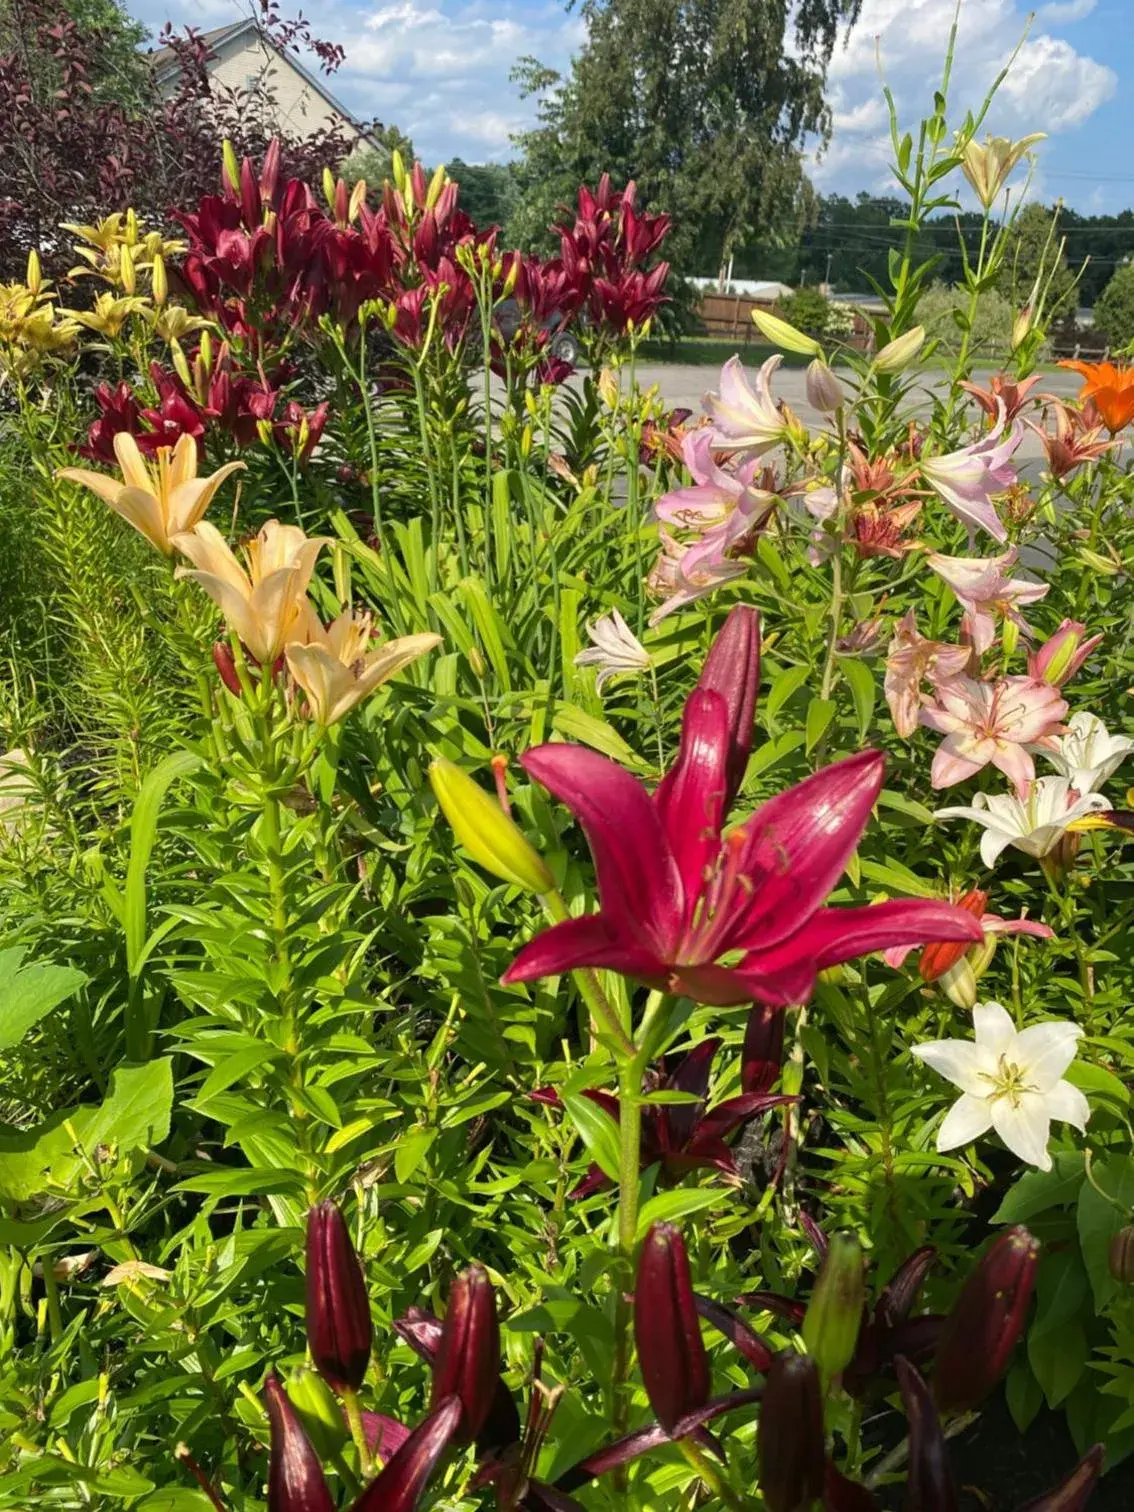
(995, 1031)
(798, 844)
(835, 935)
(638, 879)
(964, 1064)
(1024, 1126)
(966, 1120)
(691, 797)
(1068, 1104)
(1044, 1051)
(589, 941)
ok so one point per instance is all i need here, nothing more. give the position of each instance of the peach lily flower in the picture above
(984, 590)
(265, 605)
(992, 722)
(336, 667)
(912, 658)
(159, 501)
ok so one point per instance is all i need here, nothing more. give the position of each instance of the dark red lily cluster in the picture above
(607, 252)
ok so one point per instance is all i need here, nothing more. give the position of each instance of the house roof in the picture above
(166, 65)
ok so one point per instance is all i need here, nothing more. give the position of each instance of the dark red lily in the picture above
(339, 1330)
(986, 1322)
(667, 1329)
(930, 1486)
(790, 1435)
(682, 1137)
(467, 1365)
(721, 916)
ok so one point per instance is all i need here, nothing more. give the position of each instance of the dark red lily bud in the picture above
(986, 1322)
(843, 1495)
(1120, 1256)
(468, 1354)
(339, 1330)
(790, 1435)
(1073, 1493)
(404, 1478)
(762, 1055)
(295, 1476)
(930, 1486)
(667, 1331)
(732, 669)
(225, 663)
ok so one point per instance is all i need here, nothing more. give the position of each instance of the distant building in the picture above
(242, 58)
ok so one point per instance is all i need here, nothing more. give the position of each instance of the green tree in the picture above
(1114, 309)
(1034, 243)
(488, 190)
(373, 163)
(704, 102)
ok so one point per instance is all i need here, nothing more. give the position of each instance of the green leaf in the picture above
(596, 1129)
(29, 992)
(669, 1207)
(1024, 1394)
(143, 832)
(864, 691)
(411, 1151)
(783, 686)
(820, 712)
(134, 1116)
(576, 724)
(176, 1499)
(1058, 1357)
(1037, 1191)
(1062, 1290)
(1099, 1220)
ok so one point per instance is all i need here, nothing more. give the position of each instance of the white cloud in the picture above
(1051, 87)
(1061, 12)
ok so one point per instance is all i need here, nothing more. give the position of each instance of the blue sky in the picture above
(439, 69)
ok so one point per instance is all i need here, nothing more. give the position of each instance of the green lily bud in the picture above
(485, 830)
(900, 352)
(230, 168)
(780, 333)
(959, 983)
(319, 1411)
(834, 1314)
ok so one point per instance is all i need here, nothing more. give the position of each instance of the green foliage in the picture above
(1114, 312)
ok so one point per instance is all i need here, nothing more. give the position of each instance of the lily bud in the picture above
(732, 669)
(1060, 657)
(843, 1495)
(762, 1054)
(339, 1329)
(824, 391)
(295, 1477)
(1120, 1256)
(959, 984)
(900, 352)
(319, 1411)
(608, 389)
(404, 1478)
(397, 169)
(225, 663)
(1073, 1493)
(782, 334)
(486, 832)
(159, 281)
(468, 1356)
(329, 188)
(790, 1435)
(1010, 637)
(1020, 328)
(127, 271)
(230, 168)
(986, 1322)
(930, 1486)
(834, 1314)
(34, 279)
(667, 1330)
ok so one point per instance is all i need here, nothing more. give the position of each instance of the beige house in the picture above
(242, 58)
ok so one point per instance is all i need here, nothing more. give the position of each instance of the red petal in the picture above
(589, 941)
(402, 1483)
(691, 799)
(835, 935)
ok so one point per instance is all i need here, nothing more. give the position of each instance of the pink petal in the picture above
(1017, 765)
(732, 669)
(835, 935)
(638, 880)
(798, 844)
(690, 801)
(589, 941)
(951, 765)
(993, 925)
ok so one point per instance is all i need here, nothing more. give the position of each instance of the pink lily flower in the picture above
(721, 502)
(1062, 654)
(992, 722)
(911, 659)
(746, 416)
(966, 480)
(722, 916)
(984, 590)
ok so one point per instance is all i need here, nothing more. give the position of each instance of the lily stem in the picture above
(590, 988)
(629, 1167)
(353, 1412)
(710, 1475)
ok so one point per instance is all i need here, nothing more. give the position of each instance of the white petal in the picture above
(992, 844)
(1068, 1104)
(1024, 1127)
(994, 1029)
(966, 1066)
(1044, 1051)
(966, 1120)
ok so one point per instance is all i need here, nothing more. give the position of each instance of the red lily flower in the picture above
(721, 917)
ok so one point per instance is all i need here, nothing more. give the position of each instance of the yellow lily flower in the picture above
(109, 315)
(988, 165)
(337, 669)
(160, 501)
(265, 605)
(174, 323)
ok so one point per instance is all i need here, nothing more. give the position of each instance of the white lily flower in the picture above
(1011, 1081)
(616, 649)
(1034, 825)
(1088, 754)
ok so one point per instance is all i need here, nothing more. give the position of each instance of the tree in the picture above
(1034, 244)
(1114, 309)
(705, 103)
(374, 163)
(488, 190)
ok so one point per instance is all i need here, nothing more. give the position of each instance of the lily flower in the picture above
(988, 165)
(615, 649)
(1034, 825)
(721, 916)
(336, 668)
(996, 722)
(684, 1137)
(1078, 438)
(724, 508)
(879, 530)
(1110, 388)
(109, 315)
(984, 590)
(689, 580)
(1003, 390)
(747, 417)
(159, 502)
(913, 658)
(1088, 754)
(966, 480)
(938, 962)
(1011, 1081)
(1062, 654)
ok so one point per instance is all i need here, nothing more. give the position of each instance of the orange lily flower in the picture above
(1112, 389)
